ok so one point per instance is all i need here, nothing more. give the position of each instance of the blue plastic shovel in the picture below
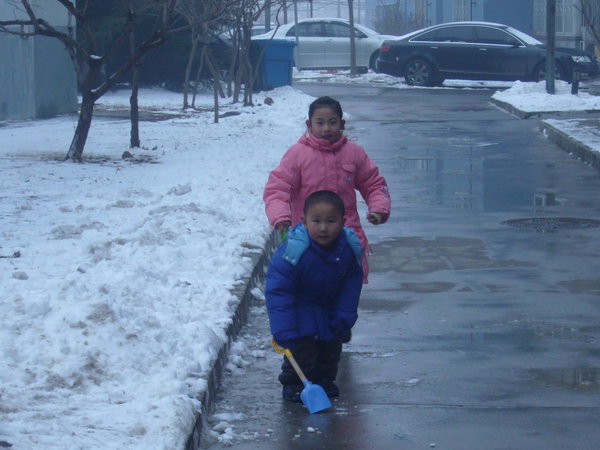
(313, 396)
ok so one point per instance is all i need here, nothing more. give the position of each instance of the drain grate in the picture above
(549, 224)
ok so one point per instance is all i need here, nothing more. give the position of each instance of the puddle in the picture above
(419, 255)
(551, 224)
(582, 286)
(581, 379)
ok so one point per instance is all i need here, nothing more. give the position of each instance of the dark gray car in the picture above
(477, 51)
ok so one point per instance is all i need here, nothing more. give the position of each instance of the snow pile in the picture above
(532, 97)
(115, 275)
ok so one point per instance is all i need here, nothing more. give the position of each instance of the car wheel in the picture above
(419, 72)
(373, 61)
(539, 73)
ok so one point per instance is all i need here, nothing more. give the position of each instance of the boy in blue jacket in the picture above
(312, 289)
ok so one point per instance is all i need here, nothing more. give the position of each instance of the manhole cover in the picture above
(549, 224)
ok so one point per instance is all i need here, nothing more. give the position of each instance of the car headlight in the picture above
(581, 59)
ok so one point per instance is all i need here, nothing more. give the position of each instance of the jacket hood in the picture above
(298, 240)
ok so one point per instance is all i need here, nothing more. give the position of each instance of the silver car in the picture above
(325, 43)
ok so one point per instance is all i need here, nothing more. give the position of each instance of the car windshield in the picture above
(524, 37)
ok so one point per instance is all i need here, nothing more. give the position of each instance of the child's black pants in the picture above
(317, 359)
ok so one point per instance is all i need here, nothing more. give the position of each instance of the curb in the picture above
(243, 292)
(571, 144)
(516, 111)
(565, 141)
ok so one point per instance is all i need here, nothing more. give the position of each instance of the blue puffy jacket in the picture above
(311, 292)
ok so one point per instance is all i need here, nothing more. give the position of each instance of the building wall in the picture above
(17, 89)
(516, 13)
(569, 31)
(37, 78)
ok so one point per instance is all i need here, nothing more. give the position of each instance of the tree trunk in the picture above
(352, 38)
(83, 127)
(216, 100)
(198, 75)
(134, 112)
(188, 69)
(134, 141)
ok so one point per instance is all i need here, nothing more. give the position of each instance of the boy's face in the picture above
(324, 223)
(326, 124)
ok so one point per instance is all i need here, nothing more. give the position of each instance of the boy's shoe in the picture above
(330, 388)
(291, 392)
(347, 338)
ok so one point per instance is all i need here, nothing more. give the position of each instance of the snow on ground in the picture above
(115, 274)
(532, 97)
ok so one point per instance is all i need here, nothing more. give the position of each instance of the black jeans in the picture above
(317, 359)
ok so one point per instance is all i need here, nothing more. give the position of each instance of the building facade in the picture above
(37, 78)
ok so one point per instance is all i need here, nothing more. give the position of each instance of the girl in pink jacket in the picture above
(324, 159)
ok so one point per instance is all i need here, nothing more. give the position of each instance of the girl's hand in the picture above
(282, 228)
(374, 218)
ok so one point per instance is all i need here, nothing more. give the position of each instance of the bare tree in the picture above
(390, 19)
(205, 18)
(245, 60)
(90, 56)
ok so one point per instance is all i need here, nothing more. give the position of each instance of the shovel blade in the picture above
(314, 398)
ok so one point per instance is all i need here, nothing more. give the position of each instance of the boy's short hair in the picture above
(324, 196)
(325, 101)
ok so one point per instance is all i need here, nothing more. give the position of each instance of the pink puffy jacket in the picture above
(315, 164)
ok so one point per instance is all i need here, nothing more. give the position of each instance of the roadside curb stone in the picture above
(564, 140)
(513, 110)
(260, 260)
(571, 144)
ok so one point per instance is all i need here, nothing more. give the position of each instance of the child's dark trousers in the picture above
(317, 359)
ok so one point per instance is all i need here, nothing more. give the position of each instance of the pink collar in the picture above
(322, 144)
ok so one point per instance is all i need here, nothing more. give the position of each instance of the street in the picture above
(476, 330)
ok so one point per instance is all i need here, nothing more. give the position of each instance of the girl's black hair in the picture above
(329, 197)
(325, 101)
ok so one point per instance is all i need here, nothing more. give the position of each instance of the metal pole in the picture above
(550, 45)
(296, 33)
(267, 15)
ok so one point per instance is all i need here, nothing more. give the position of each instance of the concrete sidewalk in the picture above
(576, 132)
(472, 334)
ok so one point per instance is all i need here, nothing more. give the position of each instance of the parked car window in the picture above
(309, 29)
(340, 30)
(447, 34)
(337, 30)
(426, 37)
(487, 35)
(455, 34)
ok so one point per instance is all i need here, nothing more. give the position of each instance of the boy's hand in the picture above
(282, 228)
(287, 344)
(375, 218)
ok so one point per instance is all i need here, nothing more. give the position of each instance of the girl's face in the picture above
(326, 124)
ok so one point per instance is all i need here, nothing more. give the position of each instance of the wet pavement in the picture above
(472, 334)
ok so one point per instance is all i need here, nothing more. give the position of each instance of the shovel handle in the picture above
(291, 359)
